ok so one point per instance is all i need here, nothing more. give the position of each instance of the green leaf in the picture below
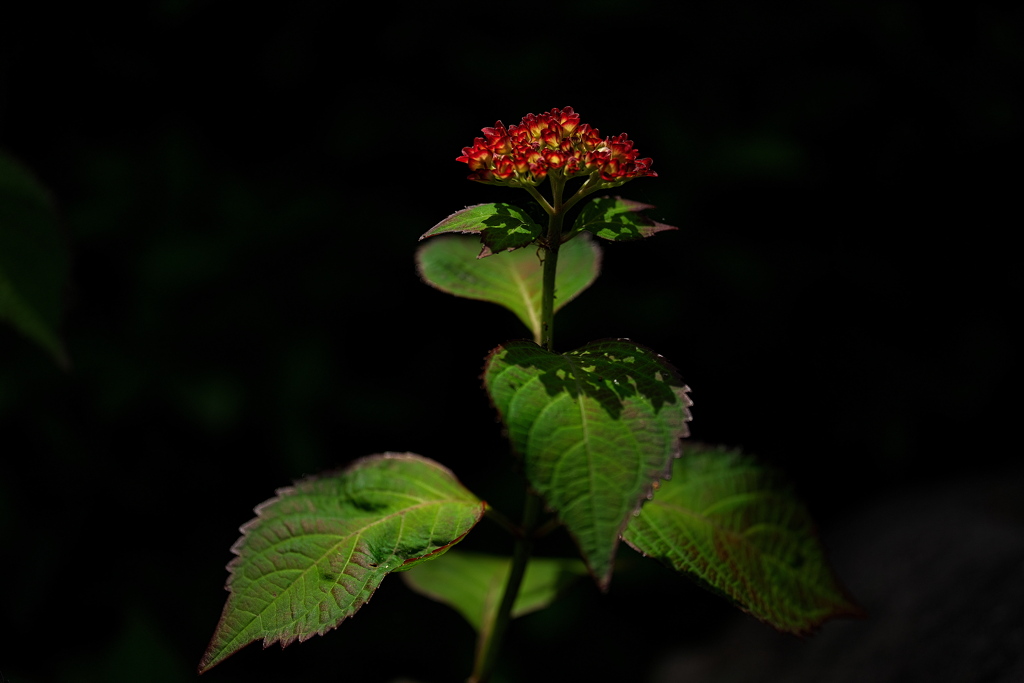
(317, 552)
(505, 227)
(473, 583)
(34, 259)
(617, 219)
(513, 280)
(737, 528)
(596, 428)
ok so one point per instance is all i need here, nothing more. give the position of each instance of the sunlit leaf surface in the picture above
(736, 527)
(503, 227)
(511, 279)
(596, 428)
(618, 219)
(317, 551)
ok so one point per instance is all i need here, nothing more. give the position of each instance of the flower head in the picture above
(553, 141)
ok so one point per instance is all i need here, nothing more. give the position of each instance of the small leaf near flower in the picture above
(617, 219)
(505, 227)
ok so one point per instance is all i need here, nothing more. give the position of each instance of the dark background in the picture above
(242, 188)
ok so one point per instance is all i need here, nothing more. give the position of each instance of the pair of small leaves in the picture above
(34, 260)
(506, 227)
(514, 279)
(316, 552)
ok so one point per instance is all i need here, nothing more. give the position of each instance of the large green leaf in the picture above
(474, 583)
(737, 528)
(617, 219)
(596, 428)
(33, 258)
(316, 553)
(504, 227)
(514, 279)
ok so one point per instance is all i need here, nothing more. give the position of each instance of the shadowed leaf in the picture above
(737, 528)
(317, 551)
(596, 428)
(505, 227)
(473, 583)
(617, 219)
(33, 259)
(513, 280)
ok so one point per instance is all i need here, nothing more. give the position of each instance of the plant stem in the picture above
(539, 197)
(592, 184)
(491, 635)
(490, 638)
(554, 241)
(499, 519)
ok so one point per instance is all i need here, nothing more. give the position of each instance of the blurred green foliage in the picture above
(33, 258)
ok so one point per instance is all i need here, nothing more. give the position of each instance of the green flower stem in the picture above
(539, 197)
(490, 637)
(547, 301)
(554, 241)
(501, 520)
(592, 184)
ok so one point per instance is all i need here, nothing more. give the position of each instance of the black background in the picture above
(242, 187)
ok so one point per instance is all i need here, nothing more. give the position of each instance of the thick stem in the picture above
(547, 301)
(554, 241)
(491, 635)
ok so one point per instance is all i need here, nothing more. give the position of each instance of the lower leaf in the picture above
(473, 583)
(736, 527)
(317, 551)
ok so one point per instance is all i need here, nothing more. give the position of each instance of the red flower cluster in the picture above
(550, 141)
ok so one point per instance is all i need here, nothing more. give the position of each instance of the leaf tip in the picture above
(212, 657)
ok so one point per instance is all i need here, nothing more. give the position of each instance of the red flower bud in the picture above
(554, 159)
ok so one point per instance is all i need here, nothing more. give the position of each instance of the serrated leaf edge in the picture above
(646, 493)
(205, 663)
(431, 233)
(850, 608)
(632, 206)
